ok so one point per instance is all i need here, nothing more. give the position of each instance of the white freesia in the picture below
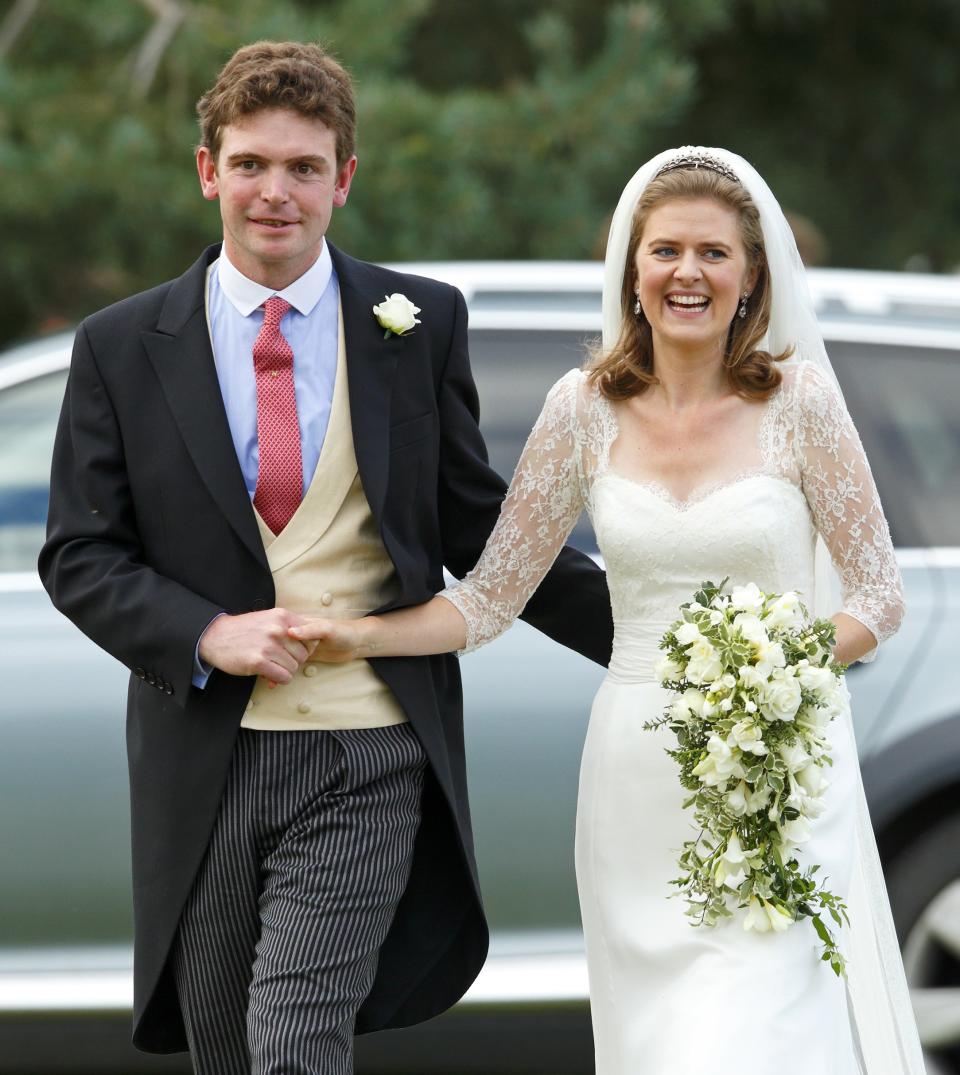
(751, 677)
(687, 633)
(794, 756)
(748, 736)
(704, 664)
(751, 628)
(719, 764)
(812, 780)
(780, 698)
(796, 831)
(667, 670)
(756, 917)
(770, 655)
(785, 610)
(819, 680)
(397, 314)
(778, 917)
(731, 867)
(737, 799)
(747, 598)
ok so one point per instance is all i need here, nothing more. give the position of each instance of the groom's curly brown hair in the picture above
(281, 74)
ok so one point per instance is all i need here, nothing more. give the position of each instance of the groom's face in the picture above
(277, 180)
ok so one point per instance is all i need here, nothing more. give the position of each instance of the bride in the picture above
(708, 438)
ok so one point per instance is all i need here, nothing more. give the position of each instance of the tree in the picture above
(98, 129)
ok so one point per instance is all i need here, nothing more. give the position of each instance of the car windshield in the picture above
(905, 402)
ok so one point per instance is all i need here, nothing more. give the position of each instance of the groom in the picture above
(241, 449)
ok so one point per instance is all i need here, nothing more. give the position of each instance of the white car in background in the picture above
(64, 884)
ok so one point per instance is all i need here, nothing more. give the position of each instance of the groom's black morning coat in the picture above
(151, 533)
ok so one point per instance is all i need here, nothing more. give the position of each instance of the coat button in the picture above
(310, 670)
(303, 707)
(168, 689)
(139, 673)
(326, 598)
(151, 679)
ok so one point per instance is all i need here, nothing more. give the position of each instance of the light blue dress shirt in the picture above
(311, 328)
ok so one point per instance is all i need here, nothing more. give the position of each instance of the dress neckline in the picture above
(706, 490)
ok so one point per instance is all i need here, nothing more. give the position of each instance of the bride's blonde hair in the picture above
(627, 368)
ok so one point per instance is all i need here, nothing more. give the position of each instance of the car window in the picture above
(28, 420)
(905, 403)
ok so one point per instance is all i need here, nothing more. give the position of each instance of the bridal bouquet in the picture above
(755, 688)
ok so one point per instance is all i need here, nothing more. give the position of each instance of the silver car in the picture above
(65, 980)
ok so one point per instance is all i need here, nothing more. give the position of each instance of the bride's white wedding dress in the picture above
(668, 998)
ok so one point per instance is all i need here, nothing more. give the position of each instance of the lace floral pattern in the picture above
(654, 544)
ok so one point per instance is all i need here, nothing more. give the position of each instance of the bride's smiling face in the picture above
(691, 271)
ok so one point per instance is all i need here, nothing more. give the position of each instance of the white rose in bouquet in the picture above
(780, 698)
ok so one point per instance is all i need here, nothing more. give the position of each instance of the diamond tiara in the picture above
(698, 158)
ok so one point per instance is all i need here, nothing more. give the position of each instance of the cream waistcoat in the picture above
(329, 561)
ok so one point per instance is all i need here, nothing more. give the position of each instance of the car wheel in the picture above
(924, 885)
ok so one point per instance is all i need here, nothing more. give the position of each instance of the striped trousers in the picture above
(278, 942)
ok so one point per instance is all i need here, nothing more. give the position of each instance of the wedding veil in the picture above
(882, 1017)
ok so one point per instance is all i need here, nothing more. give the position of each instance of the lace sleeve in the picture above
(542, 505)
(845, 505)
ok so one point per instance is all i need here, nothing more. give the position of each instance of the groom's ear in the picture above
(207, 170)
(344, 179)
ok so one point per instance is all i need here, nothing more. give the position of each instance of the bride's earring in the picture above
(637, 308)
(742, 312)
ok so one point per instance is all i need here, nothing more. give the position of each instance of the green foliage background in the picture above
(496, 130)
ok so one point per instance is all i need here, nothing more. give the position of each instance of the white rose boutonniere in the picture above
(396, 314)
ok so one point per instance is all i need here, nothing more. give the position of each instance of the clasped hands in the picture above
(276, 643)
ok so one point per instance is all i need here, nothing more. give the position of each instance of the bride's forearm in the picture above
(853, 639)
(434, 627)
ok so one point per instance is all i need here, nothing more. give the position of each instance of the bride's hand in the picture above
(336, 641)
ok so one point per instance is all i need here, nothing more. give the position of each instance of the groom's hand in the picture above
(256, 644)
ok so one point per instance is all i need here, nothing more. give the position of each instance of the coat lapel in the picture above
(372, 366)
(181, 354)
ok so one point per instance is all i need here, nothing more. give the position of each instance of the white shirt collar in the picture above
(247, 295)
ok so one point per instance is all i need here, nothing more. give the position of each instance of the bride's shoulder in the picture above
(575, 391)
(805, 386)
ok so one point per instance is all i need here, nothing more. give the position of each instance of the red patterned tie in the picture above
(280, 479)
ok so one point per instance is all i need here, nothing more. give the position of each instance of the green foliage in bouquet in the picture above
(755, 687)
